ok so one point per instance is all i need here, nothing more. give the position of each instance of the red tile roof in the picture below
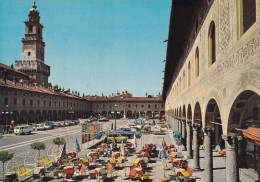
(10, 69)
(26, 87)
(130, 99)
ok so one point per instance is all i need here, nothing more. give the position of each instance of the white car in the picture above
(40, 127)
(157, 128)
(47, 127)
(131, 123)
(24, 129)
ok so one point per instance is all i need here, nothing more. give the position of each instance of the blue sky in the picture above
(94, 46)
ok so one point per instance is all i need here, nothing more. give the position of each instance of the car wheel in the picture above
(22, 133)
(29, 132)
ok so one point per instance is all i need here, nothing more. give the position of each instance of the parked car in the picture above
(103, 119)
(1, 134)
(140, 124)
(47, 126)
(40, 127)
(124, 129)
(34, 126)
(75, 122)
(21, 130)
(131, 123)
(56, 124)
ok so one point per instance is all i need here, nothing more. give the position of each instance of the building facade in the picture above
(26, 96)
(212, 78)
(132, 107)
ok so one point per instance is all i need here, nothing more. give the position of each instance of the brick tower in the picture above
(33, 49)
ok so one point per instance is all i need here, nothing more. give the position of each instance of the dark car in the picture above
(103, 119)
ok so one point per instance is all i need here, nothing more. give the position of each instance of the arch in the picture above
(63, 115)
(162, 113)
(155, 113)
(23, 117)
(15, 116)
(180, 114)
(59, 115)
(38, 116)
(197, 114)
(198, 120)
(54, 115)
(122, 114)
(104, 113)
(49, 115)
(91, 113)
(149, 113)
(129, 114)
(213, 120)
(44, 115)
(211, 44)
(197, 63)
(241, 112)
(189, 113)
(183, 112)
(244, 113)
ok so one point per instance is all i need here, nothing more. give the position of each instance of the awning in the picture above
(252, 134)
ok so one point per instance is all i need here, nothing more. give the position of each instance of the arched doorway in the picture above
(129, 114)
(44, 115)
(198, 120)
(31, 116)
(15, 117)
(54, 115)
(49, 115)
(155, 113)
(121, 114)
(162, 113)
(59, 115)
(91, 114)
(23, 117)
(245, 114)
(38, 116)
(104, 113)
(63, 116)
(149, 114)
(213, 120)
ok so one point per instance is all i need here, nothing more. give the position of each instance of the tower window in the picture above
(30, 29)
(39, 31)
(29, 53)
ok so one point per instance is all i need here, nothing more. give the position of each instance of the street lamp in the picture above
(6, 114)
(71, 112)
(115, 116)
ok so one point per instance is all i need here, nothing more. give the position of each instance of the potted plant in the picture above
(5, 156)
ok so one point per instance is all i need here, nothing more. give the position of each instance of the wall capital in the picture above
(232, 141)
(196, 126)
(208, 131)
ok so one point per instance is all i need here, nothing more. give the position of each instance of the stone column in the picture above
(231, 143)
(208, 155)
(189, 143)
(196, 153)
(183, 135)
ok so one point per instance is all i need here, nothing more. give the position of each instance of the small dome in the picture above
(34, 8)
